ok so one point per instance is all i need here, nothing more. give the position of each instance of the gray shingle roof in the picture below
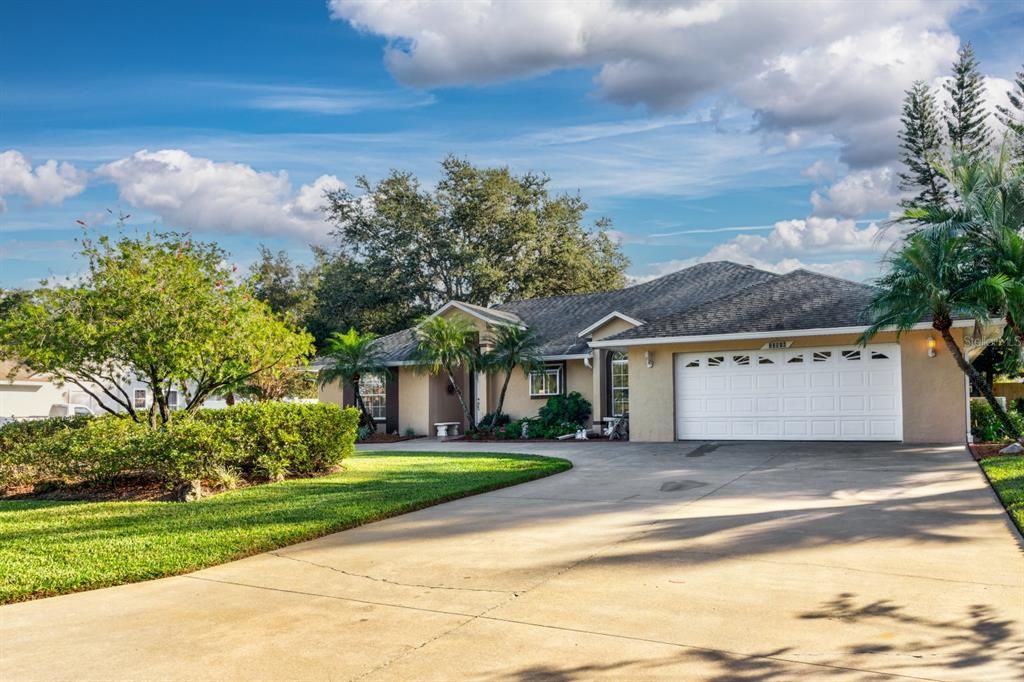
(798, 300)
(559, 319)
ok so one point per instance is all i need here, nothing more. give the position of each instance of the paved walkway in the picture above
(736, 562)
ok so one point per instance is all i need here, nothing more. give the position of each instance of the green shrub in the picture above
(493, 421)
(260, 440)
(562, 411)
(17, 439)
(16, 434)
(272, 439)
(362, 433)
(986, 426)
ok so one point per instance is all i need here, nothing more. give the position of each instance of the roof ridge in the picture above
(816, 273)
(638, 284)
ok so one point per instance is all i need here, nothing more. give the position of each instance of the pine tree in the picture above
(1013, 117)
(921, 144)
(965, 114)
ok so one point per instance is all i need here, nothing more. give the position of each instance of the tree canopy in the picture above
(481, 235)
(162, 309)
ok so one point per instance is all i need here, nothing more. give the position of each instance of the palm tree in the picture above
(511, 346)
(447, 345)
(988, 208)
(933, 278)
(350, 357)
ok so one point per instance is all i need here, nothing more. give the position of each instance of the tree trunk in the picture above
(229, 398)
(462, 401)
(367, 418)
(979, 382)
(1015, 328)
(501, 396)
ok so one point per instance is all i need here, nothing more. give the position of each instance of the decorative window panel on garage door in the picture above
(830, 393)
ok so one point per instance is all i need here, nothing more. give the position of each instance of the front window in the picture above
(547, 381)
(620, 384)
(140, 398)
(371, 389)
(172, 399)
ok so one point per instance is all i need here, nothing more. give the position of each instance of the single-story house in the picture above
(714, 351)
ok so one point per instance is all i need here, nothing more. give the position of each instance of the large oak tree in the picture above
(481, 235)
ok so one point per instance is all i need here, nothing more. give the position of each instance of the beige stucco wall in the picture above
(611, 327)
(330, 393)
(934, 403)
(518, 403)
(413, 401)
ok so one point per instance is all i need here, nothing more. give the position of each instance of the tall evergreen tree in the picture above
(968, 132)
(1013, 117)
(921, 145)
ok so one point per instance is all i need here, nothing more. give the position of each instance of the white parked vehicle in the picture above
(70, 410)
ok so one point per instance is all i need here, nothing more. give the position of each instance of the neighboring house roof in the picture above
(796, 301)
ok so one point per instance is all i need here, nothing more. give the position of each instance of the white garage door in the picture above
(831, 393)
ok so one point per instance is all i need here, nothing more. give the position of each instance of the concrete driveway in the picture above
(736, 562)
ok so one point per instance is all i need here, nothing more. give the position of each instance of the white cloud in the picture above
(813, 235)
(860, 192)
(842, 248)
(49, 183)
(196, 193)
(802, 67)
(319, 100)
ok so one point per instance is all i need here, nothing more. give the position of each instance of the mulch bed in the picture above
(492, 439)
(124, 489)
(386, 438)
(982, 451)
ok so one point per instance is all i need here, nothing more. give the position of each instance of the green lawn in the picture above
(49, 548)
(1007, 476)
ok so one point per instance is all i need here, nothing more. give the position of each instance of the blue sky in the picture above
(763, 133)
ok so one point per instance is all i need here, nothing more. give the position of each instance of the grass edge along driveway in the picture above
(52, 548)
(1006, 474)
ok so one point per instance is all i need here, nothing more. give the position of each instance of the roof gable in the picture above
(614, 315)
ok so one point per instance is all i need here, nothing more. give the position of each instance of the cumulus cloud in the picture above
(860, 192)
(49, 183)
(842, 248)
(197, 193)
(814, 66)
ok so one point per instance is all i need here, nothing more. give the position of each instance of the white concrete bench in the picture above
(442, 429)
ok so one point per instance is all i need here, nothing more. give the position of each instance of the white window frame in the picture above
(376, 401)
(612, 388)
(548, 371)
(172, 403)
(135, 398)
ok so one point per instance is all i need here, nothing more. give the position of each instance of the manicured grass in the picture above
(1007, 476)
(49, 548)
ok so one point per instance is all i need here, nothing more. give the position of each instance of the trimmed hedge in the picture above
(279, 438)
(265, 441)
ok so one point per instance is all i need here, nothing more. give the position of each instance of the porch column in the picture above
(599, 360)
(483, 395)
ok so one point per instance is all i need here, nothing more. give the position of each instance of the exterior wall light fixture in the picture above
(931, 346)
(648, 359)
